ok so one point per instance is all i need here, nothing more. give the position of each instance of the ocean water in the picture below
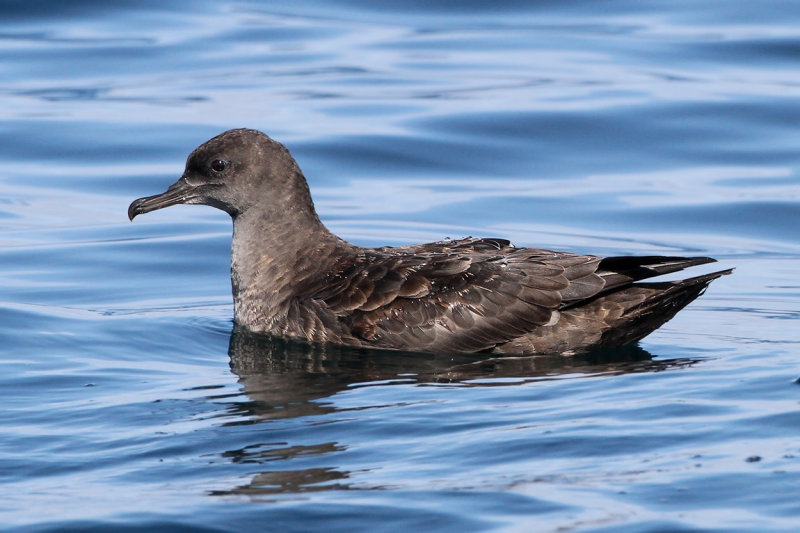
(129, 403)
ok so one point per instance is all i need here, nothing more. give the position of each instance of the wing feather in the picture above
(465, 298)
(468, 294)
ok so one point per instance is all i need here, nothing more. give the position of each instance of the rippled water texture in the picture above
(127, 401)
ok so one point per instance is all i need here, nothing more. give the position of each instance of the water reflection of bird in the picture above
(285, 379)
(293, 278)
(288, 378)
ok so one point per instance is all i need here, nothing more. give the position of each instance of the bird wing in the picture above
(465, 295)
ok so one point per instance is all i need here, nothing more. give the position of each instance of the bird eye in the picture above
(219, 165)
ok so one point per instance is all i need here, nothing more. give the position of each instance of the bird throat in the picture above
(273, 260)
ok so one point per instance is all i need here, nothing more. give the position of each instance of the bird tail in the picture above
(615, 318)
(648, 306)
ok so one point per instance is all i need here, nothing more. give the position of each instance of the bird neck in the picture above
(274, 256)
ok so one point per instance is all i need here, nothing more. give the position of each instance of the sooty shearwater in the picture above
(292, 277)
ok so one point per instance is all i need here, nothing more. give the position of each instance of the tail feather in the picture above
(615, 318)
(659, 302)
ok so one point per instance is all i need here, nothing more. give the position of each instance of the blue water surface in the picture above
(129, 403)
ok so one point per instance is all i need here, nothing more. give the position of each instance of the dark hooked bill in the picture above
(178, 193)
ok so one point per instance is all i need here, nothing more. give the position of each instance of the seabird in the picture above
(293, 278)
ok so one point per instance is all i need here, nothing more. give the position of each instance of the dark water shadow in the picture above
(286, 379)
(282, 373)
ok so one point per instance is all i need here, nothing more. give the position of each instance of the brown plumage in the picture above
(291, 277)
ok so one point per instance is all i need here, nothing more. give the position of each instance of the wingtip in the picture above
(695, 261)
